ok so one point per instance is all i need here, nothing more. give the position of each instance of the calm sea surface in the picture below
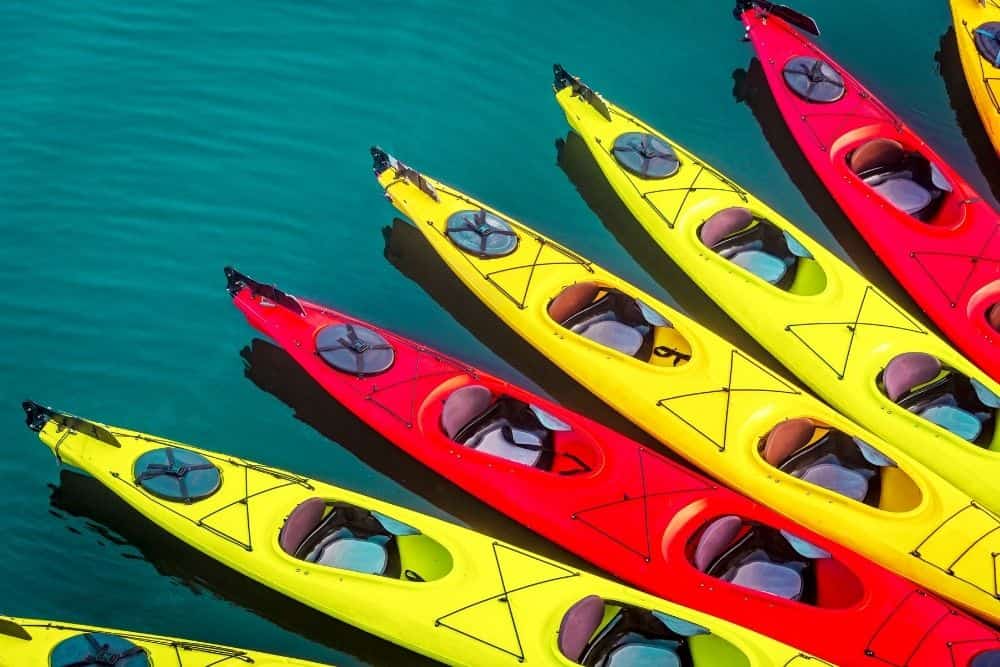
(144, 148)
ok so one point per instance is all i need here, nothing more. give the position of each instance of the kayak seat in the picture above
(504, 427)
(609, 317)
(962, 405)
(355, 349)
(907, 180)
(989, 658)
(987, 39)
(645, 155)
(630, 636)
(481, 233)
(344, 536)
(754, 244)
(758, 557)
(993, 316)
(828, 458)
(813, 80)
(96, 649)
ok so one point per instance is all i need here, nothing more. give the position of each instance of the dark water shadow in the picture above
(276, 372)
(576, 160)
(413, 256)
(117, 522)
(750, 87)
(966, 115)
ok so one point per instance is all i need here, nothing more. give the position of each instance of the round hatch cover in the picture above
(98, 649)
(177, 474)
(481, 233)
(354, 349)
(645, 155)
(813, 79)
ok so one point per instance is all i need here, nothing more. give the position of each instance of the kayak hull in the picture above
(26, 642)
(949, 264)
(714, 407)
(836, 331)
(983, 78)
(633, 513)
(462, 599)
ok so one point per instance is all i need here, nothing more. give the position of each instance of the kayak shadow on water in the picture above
(277, 373)
(408, 250)
(751, 87)
(116, 522)
(966, 115)
(576, 161)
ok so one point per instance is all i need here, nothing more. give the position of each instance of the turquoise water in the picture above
(146, 148)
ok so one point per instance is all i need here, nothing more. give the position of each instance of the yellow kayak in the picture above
(839, 334)
(31, 643)
(439, 589)
(977, 29)
(707, 400)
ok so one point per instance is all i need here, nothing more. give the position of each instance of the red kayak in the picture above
(934, 232)
(627, 509)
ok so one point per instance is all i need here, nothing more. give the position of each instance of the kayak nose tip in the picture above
(381, 160)
(35, 415)
(562, 78)
(235, 281)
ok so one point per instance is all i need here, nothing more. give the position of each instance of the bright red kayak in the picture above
(926, 223)
(627, 509)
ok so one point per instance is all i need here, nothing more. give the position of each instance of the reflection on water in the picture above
(276, 372)
(116, 521)
(950, 69)
(750, 87)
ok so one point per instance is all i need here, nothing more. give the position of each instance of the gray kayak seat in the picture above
(828, 470)
(993, 316)
(759, 575)
(645, 155)
(813, 80)
(98, 649)
(769, 578)
(304, 535)
(354, 349)
(497, 436)
(758, 246)
(601, 320)
(838, 478)
(177, 475)
(919, 382)
(987, 39)
(989, 658)
(887, 167)
(902, 193)
(481, 233)
(342, 550)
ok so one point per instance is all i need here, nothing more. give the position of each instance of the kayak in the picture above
(445, 591)
(977, 31)
(27, 642)
(848, 341)
(925, 222)
(608, 499)
(707, 400)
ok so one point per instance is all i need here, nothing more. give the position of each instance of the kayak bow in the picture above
(610, 500)
(704, 398)
(926, 223)
(439, 589)
(841, 335)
